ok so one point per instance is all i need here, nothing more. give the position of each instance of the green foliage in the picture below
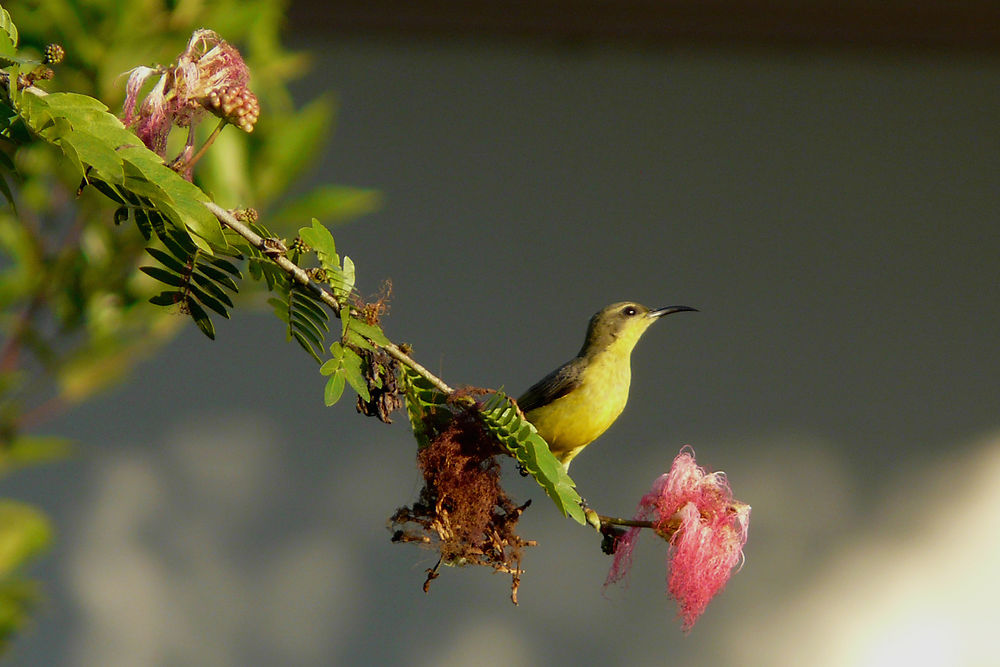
(305, 317)
(330, 203)
(339, 277)
(24, 532)
(344, 366)
(425, 406)
(521, 439)
(76, 311)
(26, 450)
(199, 279)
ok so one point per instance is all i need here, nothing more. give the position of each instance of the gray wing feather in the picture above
(555, 385)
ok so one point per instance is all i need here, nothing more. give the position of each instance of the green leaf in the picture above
(10, 30)
(219, 277)
(226, 266)
(345, 281)
(27, 450)
(521, 439)
(306, 345)
(334, 389)
(315, 310)
(424, 402)
(372, 332)
(92, 151)
(320, 240)
(355, 376)
(330, 203)
(146, 175)
(164, 276)
(280, 308)
(168, 298)
(292, 146)
(24, 532)
(344, 366)
(108, 191)
(210, 301)
(304, 326)
(201, 318)
(168, 260)
(213, 289)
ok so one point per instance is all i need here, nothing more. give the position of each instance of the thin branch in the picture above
(300, 276)
(617, 521)
(208, 142)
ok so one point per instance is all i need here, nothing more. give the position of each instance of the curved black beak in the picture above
(667, 310)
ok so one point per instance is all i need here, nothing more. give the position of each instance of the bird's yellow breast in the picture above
(573, 421)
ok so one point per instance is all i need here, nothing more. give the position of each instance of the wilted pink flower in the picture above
(695, 511)
(209, 76)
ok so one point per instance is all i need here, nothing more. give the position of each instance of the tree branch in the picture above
(296, 273)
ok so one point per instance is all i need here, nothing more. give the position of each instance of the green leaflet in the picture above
(25, 450)
(26, 531)
(10, 33)
(197, 277)
(304, 315)
(332, 203)
(340, 278)
(321, 241)
(101, 148)
(343, 366)
(522, 440)
(424, 402)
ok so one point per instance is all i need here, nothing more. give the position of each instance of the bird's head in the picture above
(621, 324)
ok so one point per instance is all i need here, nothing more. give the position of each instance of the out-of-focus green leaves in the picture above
(24, 531)
(8, 43)
(332, 204)
(521, 439)
(75, 308)
(18, 598)
(26, 450)
(293, 146)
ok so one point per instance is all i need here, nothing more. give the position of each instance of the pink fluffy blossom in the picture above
(695, 511)
(209, 76)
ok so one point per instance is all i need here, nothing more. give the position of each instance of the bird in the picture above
(577, 402)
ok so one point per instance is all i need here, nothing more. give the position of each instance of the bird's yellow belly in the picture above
(573, 421)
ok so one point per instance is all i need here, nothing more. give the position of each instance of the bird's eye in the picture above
(628, 311)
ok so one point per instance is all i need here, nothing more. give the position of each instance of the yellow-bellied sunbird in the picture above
(577, 402)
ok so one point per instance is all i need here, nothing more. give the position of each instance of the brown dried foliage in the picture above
(381, 371)
(462, 508)
(382, 375)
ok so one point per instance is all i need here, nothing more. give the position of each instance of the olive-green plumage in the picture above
(577, 402)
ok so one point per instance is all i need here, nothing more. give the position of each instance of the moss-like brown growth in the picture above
(462, 509)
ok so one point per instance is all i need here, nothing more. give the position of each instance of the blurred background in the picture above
(818, 178)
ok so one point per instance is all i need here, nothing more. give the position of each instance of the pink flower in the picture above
(695, 511)
(208, 77)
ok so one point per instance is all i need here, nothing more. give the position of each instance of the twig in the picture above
(300, 276)
(617, 521)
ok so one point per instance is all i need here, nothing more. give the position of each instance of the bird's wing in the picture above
(555, 385)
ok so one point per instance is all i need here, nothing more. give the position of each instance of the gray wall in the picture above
(831, 213)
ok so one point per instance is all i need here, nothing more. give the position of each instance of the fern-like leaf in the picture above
(521, 439)
(425, 406)
(200, 283)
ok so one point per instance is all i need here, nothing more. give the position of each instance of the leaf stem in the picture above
(618, 521)
(208, 142)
